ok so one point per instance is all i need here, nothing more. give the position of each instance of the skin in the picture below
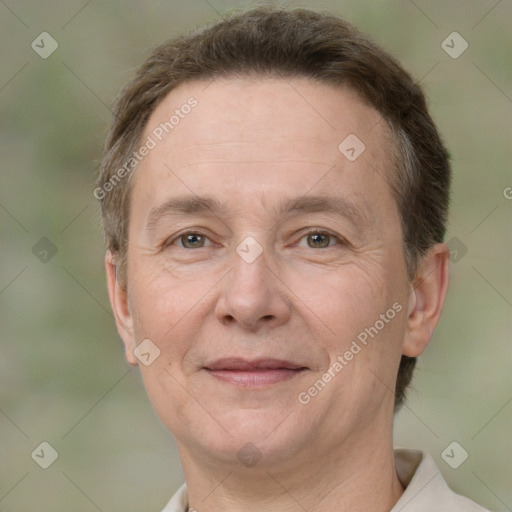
(250, 143)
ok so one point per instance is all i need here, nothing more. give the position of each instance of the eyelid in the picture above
(322, 231)
(171, 240)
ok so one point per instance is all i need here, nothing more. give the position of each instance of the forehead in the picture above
(272, 110)
(248, 134)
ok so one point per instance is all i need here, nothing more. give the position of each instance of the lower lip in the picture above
(256, 378)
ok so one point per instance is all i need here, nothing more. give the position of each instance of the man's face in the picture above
(253, 298)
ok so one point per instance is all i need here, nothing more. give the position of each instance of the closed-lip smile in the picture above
(253, 373)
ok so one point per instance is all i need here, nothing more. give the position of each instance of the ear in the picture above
(426, 299)
(119, 301)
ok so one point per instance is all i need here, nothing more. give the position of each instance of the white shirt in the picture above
(425, 488)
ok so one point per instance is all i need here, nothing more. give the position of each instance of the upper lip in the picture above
(240, 364)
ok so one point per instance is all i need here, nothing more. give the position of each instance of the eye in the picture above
(190, 240)
(318, 239)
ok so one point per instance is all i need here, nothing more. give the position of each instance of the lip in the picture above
(256, 373)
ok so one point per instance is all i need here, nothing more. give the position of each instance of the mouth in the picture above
(252, 374)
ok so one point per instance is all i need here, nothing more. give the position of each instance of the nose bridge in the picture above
(251, 295)
(249, 277)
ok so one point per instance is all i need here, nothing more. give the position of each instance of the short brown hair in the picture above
(297, 43)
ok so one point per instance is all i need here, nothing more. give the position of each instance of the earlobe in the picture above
(427, 299)
(119, 302)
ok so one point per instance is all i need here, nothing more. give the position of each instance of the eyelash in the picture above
(340, 240)
(323, 232)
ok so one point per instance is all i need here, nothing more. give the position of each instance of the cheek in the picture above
(163, 305)
(166, 390)
(345, 300)
(357, 312)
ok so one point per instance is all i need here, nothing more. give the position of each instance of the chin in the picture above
(253, 438)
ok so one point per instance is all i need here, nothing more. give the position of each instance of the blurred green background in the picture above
(63, 375)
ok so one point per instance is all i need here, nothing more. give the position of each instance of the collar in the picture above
(425, 488)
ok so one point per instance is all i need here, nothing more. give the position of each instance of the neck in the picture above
(358, 479)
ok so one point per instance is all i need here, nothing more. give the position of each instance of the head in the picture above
(246, 117)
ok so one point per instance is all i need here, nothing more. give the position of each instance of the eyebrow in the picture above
(185, 205)
(196, 205)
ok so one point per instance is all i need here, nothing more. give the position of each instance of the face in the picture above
(265, 265)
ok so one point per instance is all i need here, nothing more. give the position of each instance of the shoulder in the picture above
(425, 487)
(179, 501)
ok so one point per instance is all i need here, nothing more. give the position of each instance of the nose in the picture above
(252, 297)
